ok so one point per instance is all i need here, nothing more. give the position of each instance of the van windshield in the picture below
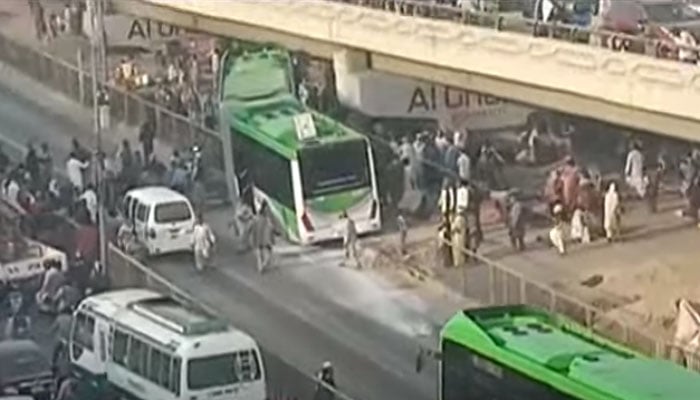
(176, 211)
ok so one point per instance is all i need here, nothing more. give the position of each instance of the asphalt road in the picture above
(304, 312)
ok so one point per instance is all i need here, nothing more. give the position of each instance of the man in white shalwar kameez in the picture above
(203, 241)
(557, 235)
(611, 213)
(408, 155)
(579, 226)
(634, 170)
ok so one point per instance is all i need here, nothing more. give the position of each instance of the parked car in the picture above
(650, 19)
(24, 370)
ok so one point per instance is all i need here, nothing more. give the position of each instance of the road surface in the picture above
(305, 311)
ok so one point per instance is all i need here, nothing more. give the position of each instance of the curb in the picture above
(422, 275)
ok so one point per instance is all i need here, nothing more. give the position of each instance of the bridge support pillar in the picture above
(346, 64)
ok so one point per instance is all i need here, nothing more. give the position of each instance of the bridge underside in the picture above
(561, 101)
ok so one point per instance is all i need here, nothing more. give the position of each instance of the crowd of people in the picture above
(182, 80)
(585, 206)
(36, 194)
(456, 176)
(49, 24)
(49, 202)
(594, 22)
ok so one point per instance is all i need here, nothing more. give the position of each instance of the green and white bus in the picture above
(521, 353)
(307, 167)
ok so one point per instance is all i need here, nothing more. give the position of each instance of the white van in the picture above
(163, 219)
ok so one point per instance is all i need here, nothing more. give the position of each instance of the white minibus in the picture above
(143, 345)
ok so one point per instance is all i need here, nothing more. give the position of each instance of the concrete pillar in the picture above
(347, 65)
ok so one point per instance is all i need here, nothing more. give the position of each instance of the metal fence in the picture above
(284, 380)
(127, 107)
(640, 44)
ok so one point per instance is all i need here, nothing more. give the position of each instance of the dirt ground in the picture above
(636, 281)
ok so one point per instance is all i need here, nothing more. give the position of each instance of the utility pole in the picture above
(225, 135)
(100, 113)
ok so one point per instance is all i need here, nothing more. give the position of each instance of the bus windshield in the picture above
(222, 370)
(332, 168)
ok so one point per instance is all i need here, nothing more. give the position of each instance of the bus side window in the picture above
(277, 185)
(138, 357)
(121, 341)
(164, 379)
(83, 331)
(175, 377)
(155, 366)
(103, 346)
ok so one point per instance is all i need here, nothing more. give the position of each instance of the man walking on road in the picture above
(203, 242)
(350, 240)
(634, 169)
(403, 233)
(263, 233)
(147, 135)
(516, 223)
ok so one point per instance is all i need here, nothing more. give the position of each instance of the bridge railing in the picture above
(617, 41)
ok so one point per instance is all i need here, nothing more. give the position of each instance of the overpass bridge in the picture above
(623, 88)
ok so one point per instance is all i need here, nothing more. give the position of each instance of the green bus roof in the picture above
(552, 349)
(260, 102)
